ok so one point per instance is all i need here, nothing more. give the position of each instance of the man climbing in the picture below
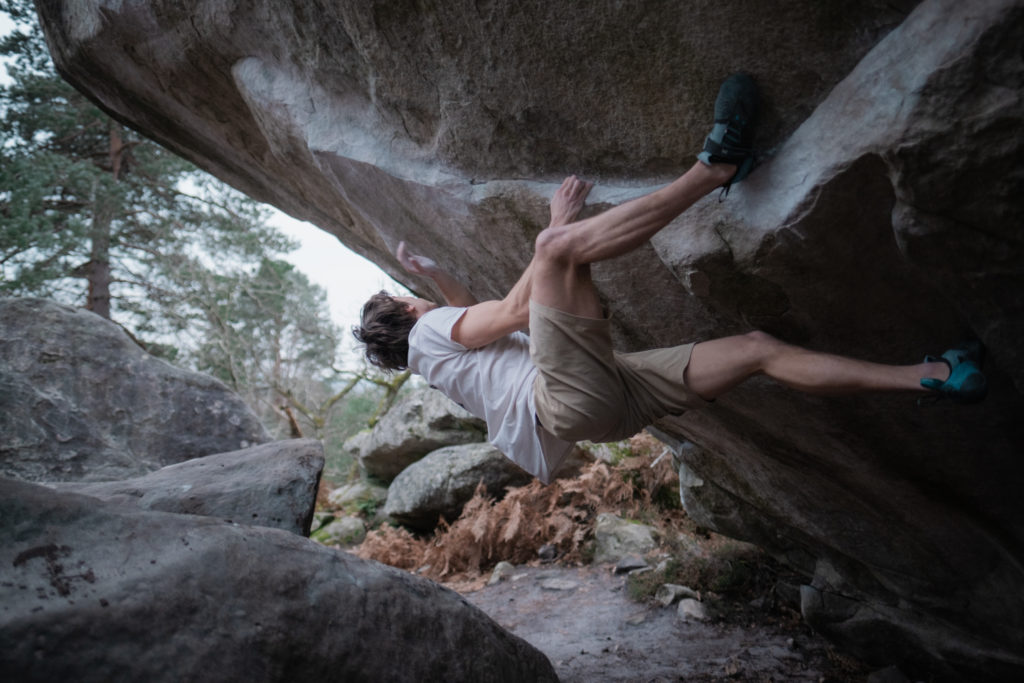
(541, 393)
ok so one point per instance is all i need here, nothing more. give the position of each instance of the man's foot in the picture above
(966, 383)
(732, 136)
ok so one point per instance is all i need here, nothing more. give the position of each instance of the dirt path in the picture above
(584, 621)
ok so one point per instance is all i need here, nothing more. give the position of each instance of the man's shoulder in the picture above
(435, 326)
(442, 317)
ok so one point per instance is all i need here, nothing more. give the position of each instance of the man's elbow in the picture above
(516, 313)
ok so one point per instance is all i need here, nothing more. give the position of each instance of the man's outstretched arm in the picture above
(488, 321)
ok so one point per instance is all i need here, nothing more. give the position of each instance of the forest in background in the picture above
(94, 215)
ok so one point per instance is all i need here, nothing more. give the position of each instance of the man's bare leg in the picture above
(561, 265)
(720, 364)
(561, 280)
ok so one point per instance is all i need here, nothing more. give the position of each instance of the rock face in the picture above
(443, 482)
(105, 593)
(380, 121)
(419, 423)
(884, 225)
(270, 485)
(80, 401)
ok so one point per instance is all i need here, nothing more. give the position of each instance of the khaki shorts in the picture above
(586, 391)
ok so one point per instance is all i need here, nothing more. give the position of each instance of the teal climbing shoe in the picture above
(966, 383)
(731, 140)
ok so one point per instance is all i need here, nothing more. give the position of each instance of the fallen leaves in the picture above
(561, 514)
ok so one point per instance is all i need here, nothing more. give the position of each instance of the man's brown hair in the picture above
(385, 327)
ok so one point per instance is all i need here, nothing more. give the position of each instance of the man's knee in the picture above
(763, 346)
(761, 340)
(752, 348)
(554, 244)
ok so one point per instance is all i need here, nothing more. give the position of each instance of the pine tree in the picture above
(82, 198)
(180, 259)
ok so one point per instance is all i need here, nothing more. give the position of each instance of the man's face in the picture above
(416, 306)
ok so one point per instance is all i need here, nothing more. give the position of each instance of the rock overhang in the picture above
(882, 225)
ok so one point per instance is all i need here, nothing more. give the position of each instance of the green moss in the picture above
(667, 498)
(641, 586)
(587, 551)
(367, 508)
(730, 569)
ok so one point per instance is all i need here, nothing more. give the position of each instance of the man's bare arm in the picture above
(491, 320)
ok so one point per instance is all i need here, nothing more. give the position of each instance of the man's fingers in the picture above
(580, 190)
(573, 185)
(403, 256)
(407, 260)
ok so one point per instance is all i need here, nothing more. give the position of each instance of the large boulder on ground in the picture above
(883, 223)
(417, 424)
(96, 592)
(616, 538)
(79, 400)
(442, 483)
(274, 485)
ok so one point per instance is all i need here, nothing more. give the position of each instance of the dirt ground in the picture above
(585, 622)
(597, 626)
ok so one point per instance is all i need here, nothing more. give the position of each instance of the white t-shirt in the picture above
(494, 382)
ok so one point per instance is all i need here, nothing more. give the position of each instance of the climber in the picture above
(541, 393)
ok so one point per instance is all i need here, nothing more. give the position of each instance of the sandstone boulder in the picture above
(96, 592)
(616, 538)
(443, 482)
(883, 223)
(80, 401)
(272, 485)
(417, 424)
(381, 122)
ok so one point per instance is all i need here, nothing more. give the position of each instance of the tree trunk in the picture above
(98, 272)
(392, 388)
(294, 430)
